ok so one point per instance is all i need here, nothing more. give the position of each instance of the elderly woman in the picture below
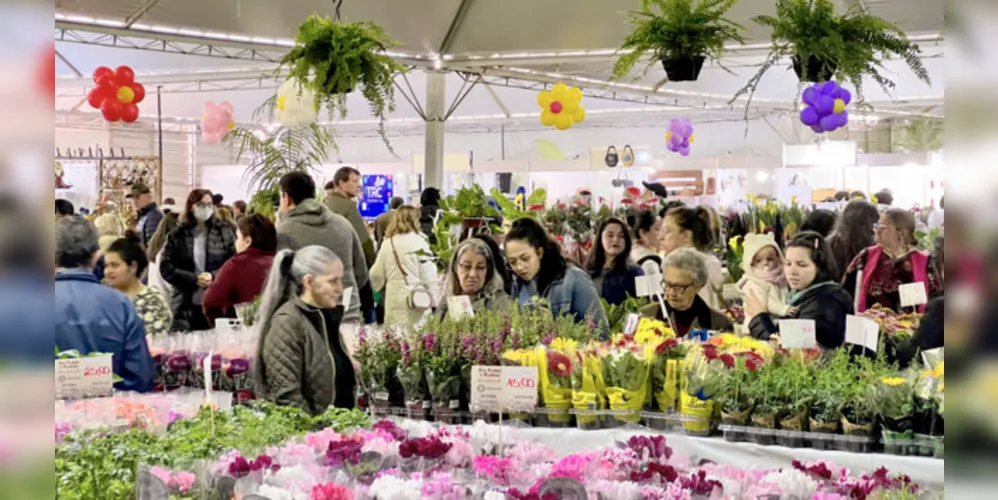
(473, 274)
(685, 273)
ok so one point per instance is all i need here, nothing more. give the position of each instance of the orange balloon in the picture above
(126, 94)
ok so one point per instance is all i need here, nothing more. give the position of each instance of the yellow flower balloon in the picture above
(693, 139)
(668, 136)
(561, 106)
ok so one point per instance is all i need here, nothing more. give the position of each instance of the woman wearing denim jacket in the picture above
(541, 272)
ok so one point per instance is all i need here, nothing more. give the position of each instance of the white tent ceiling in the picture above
(514, 43)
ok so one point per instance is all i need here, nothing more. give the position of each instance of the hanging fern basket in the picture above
(683, 69)
(818, 69)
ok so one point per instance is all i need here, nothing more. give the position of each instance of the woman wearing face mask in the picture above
(473, 273)
(125, 261)
(892, 262)
(810, 271)
(303, 361)
(646, 227)
(685, 272)
(687, 227)
(193, 254)
(610, 265)
(542, 273)
(764, 276)
(241, 279)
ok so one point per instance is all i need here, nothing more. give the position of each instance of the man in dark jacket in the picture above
(341, 197)
(90, 317)
(145, 208)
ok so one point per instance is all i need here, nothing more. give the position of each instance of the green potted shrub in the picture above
(681, 34)
(334, 58)
(828, 395)
(824, 44)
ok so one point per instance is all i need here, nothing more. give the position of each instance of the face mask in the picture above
(773, 275)
(202, 213)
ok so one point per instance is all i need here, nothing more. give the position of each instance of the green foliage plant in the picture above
(677, 29)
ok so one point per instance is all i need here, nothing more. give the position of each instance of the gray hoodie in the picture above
(312, 223)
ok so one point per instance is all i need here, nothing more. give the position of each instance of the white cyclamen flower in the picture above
(793, 483)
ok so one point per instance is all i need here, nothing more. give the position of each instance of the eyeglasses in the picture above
(676, 289)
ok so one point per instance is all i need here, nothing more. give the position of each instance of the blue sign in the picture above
(376, 195)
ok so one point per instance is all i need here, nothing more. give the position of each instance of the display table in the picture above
(928, 472)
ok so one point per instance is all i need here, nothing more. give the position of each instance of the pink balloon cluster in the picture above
(680, 136)
(216, 122)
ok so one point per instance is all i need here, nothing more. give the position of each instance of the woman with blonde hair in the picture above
(110, 228)
(404, 270)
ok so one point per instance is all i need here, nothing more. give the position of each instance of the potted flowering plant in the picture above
(625, 375)
(735, 401)
(555, 373)
(586, 398)
(895, 406)
(378, 355)
(766, 407)
(443, 376)
(666, 370)
(828, 395)
(411, 375)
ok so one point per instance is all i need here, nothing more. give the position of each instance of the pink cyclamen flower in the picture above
(182, 482)
(329, 491)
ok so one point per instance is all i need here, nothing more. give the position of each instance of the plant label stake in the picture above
(206, 366)
(912, 294)
(863, 331)
(797, 333)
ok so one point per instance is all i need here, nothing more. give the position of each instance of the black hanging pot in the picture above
(683, 69)
(818, 69)
(611, 157)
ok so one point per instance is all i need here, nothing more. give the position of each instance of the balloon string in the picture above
(339, 3)
(239, 8)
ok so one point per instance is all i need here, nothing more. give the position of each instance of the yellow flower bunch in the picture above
(652, 332)
(733, 344)
(521, 357)
(893, 381)
(735, 243)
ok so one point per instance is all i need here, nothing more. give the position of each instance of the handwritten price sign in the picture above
(501, 388)
(83, 377)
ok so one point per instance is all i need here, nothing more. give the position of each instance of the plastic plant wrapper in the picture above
(159, 350)
(927, 390)
(411, 373)
(377, 354)
(585, 395)
(444, 381)
(625, 373)
(202, 347)
(237, 364)
(555, 374)
(175, 368)
(894, 395)
(667, 367)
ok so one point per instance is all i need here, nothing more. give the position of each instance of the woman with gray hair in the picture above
(302, 360)
(685, 273)
(473, 273)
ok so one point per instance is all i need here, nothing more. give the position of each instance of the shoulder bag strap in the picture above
(398, 262)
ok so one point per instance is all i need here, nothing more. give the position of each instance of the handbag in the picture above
(611, 157)
(420, 298)
(628, 157)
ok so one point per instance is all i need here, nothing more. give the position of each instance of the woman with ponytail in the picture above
(689, 227)
(302, 360)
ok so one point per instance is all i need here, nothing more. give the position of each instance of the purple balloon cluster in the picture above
(826, 103)
(680, 135)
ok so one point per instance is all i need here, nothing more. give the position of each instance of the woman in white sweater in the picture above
(404, 265)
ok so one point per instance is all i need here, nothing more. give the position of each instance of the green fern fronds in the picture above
(919, 136)
(671, 29)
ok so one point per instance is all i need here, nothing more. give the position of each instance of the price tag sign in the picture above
(913, 294)
(648, 285)
(501, 388)
(519, 388)
(862, 331)
(631, 324)
(226, 325)
(347, 295)
(797, 333)
(83, 377)
(459, 307)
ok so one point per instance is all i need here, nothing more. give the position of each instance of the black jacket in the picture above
(427, 215)
(147, 227)
(928, 336)
(827, 305)
(177, 264)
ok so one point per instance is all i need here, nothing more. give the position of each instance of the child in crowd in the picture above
(764, 275)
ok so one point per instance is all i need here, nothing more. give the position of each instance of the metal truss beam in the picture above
(181, 87)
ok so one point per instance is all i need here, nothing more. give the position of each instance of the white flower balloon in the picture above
(295, 105)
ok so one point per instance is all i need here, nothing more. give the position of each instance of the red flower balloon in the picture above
(116, 94)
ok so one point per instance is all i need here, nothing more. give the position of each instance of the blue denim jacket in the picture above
(90, 317)
(573, 294)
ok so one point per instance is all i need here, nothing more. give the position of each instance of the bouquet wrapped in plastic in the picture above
(443, 377)
(412, 376)
(203, 346)
(555, 374)
(378, 354)
(585, 395)
(175, 364)
(625, 375)
(236, 350)
(666, 371)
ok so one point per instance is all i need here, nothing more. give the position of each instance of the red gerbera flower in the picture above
(666, 346)
(559, 364)
(728, 360)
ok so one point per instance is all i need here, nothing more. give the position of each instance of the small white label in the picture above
(381, 396)
(206, 365)
(459, 306)
(427, 405)
(862, 331)
(648, 285)
(797, 333)
(83, 377)
(913, 294)
(631, 324)
(454, 404)
(347, 295)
